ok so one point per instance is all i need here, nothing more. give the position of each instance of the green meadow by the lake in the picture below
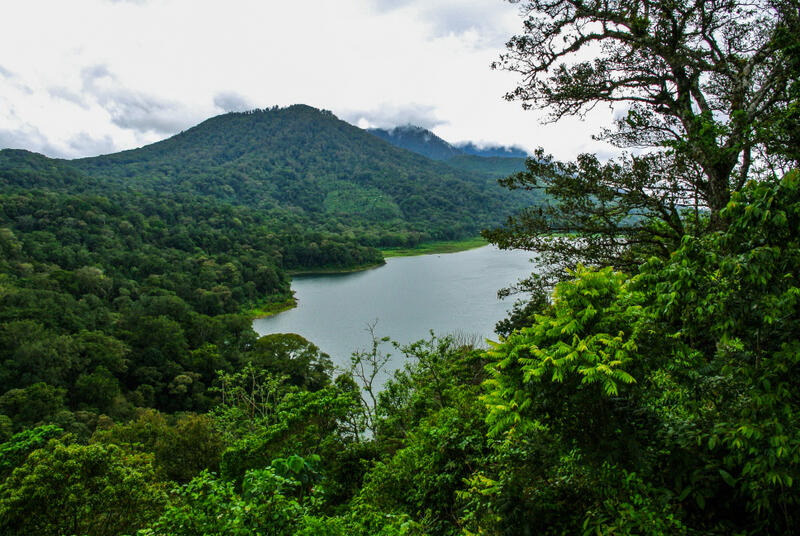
(270, 309)
(428, 248)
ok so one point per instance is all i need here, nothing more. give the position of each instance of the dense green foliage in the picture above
(708, 97)
(658, 402)
(136, 398)
(76, 489)
(680, 380)
(112, 299)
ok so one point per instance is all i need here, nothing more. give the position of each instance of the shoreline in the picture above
(270, 309)
(336, 271)
(427, 248)
(431, 248)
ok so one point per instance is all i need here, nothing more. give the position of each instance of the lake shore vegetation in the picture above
(430, 248)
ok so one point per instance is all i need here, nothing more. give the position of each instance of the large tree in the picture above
(701, 88)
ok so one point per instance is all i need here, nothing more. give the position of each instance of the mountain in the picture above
(123, 277)
(417, 140)
(491, 162)
(501, 151)
(307, 164)
(426, 143)
(496, 167)
(25, 169)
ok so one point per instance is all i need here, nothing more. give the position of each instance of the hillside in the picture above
(326, 171)
(497, 167)
(25, 169)
(490, 162)
(422, 141)
(417, 140)
(499, 151)
(113, 298)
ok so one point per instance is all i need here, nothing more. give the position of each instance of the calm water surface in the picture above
(408, 297)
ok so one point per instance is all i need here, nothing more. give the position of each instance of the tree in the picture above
(367, 367)
(14, 451)
(662, 403)
(290, 354)
(35, 404)
(701, 84)
(181, 446)
(77, 489)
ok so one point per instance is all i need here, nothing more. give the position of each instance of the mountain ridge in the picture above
(306, 160)
(423, 141)
(418, 140)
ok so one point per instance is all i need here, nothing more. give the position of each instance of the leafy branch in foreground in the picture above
(700, 86)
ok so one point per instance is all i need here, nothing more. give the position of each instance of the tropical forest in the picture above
(645, 381)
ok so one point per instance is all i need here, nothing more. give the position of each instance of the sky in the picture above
(89, 77)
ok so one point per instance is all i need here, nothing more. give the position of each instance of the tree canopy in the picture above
(699, 87)
(659, 399)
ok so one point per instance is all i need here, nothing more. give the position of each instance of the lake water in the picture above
(407, 297)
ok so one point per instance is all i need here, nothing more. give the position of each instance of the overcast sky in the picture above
(87, 77)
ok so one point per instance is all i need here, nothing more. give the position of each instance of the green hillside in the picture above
(308, 162)
(113, 298)
(124, 278)
(497, 167)
(493, 162)
(417, 140)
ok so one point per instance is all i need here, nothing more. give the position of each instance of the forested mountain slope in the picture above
(418, 140)
(422, 141)
(123, 277)
(113, 298)
(310, 162)
(492, 162)
(497, 167)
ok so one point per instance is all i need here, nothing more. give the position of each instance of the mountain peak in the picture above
(418, 140)
(423, 141)
(503, 151)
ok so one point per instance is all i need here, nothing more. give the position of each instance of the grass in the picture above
(336, 270)
(270, 309)
(428, 248)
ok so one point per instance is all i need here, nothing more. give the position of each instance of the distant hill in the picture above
(417, 140)
(497, 167)
(491, 162)
(308, 163)
(500, 151)
(123, 276)
(426, 143)
(26, 169)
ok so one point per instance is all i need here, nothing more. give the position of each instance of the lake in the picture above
(407, 297)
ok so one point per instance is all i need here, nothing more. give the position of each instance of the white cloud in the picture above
(27, 137)
(85, 143)
(490, 19)
(133, 109)
(133, 72)
(390, 115)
